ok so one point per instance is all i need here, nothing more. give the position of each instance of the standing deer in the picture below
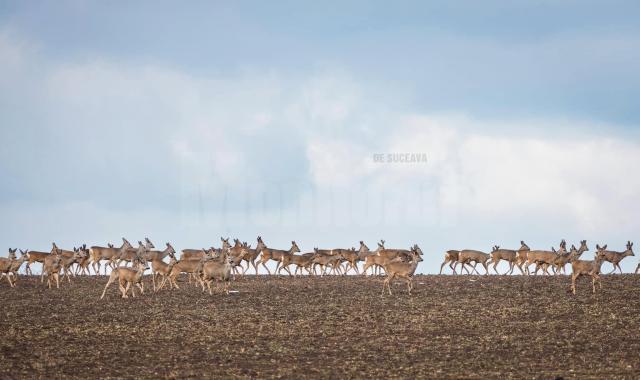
(397, 267)
(374, 261)
(218, 270)
(51, 268)
(588, 268)
(615, 257)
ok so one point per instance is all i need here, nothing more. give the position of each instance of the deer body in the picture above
(401, 269)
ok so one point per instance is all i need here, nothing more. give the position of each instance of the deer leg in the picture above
(265, 267)
(57, 278)
(140, 286)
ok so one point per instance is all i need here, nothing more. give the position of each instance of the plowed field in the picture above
(329, 327)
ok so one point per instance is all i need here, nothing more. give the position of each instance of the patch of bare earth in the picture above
(338, 327)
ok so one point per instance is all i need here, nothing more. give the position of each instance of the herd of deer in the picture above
(557, 260)
(205, 266)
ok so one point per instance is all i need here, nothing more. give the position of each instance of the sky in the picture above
(188, 122)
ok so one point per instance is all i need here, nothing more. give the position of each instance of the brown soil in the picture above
(331, 327)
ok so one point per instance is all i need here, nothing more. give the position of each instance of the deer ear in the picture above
(604, 246)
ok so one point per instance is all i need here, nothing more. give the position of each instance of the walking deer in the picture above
(615, 257)
(111, 254)
(508, 255)
(374, 261)
(161, 269)
(450, 257)
(544, 259)
(522, 256)
(6, 264)
(400, 268)
(565, 258)
(129, 278)
(17, 263)
(275, 255)
(466, 256)
(197, 254)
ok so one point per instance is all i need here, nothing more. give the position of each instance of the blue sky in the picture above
(184, 123)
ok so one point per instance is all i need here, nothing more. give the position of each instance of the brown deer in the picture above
(51, 268)
(400, 268)
(508, 255)
(35, 257)
(218, 270)
(615, 257)
(374, 261)
(84, 261)
(6, 264)
(522, 256)
(451, 258)
(67, 261)
(197, 254)
(111, 254)
(544, 259)
(132, 253)
(161, 269)
(466, 256)
(588, 268)
(324, 259)
(129, 278)
(275, 255)
(17, 263)
(565, 258)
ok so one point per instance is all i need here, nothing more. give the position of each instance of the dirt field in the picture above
(338, 327)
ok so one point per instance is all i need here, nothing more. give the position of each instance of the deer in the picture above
(466, 256)
(389, 254)
(129, 278)
(508, 255)
(110, 254)
(588, 268)
(565, 258)
(189, 266)
(451, 258)
(218, 270)
(325, 260)
(197, 254)
(522, 256)
(544, 259)
(35, 257)
(132, 253)
(6, 264)
(67, 261)
(51, 268)
(301, 262)
(400, 268)
(615, 257)
(373, 260)
(17, 263)
(275, 255)
(161, 269)
(83, 262)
